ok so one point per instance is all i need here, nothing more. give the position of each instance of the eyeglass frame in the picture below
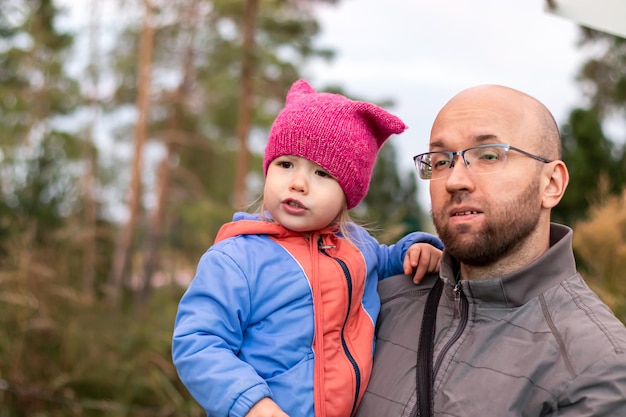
(452, 154)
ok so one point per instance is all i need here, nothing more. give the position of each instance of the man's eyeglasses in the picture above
(481, 159)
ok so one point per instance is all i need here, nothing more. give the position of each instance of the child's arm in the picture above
(266, 408)
(208, 333)
(420, 259)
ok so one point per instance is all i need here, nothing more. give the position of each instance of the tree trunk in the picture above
(246, 95)
(159, 216)
(155, 235)
(90, 158)
(124, 246)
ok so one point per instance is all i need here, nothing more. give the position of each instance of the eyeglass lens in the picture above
(481, 159)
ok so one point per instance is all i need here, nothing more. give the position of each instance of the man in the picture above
(517, 332)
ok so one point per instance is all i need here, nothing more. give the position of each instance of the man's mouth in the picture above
(464, 213)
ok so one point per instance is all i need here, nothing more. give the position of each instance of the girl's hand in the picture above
(266, 408)
(421, 259)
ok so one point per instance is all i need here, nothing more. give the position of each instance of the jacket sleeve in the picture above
(391, 258)
(208, 332)
(598, 391)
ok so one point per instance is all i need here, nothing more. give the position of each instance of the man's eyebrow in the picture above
(485, 137)
(436, 144)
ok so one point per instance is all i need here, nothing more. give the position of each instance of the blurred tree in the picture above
(246, 96)
(603, 77)
(90, 154)
(38, 159)
(589, 156)
(175, 124)
(144, 77)
(588, 151)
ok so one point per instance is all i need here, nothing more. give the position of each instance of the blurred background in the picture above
(131, 130)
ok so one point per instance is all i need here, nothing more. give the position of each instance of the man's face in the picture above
(482, 218)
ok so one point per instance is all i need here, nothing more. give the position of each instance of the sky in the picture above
(420, 53)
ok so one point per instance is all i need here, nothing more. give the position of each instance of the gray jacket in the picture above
(537, 342)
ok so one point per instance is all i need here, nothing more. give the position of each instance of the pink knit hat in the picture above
(340, 135)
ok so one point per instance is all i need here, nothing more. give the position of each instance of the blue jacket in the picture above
(274, 313)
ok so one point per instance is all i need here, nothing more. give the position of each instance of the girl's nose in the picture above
(299, 183)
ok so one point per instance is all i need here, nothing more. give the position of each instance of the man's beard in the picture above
(506, 229)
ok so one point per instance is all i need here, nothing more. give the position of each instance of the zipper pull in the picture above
(322, 246)
(457, 300)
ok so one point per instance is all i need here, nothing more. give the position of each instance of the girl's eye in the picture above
(284, 164)
(323, 174)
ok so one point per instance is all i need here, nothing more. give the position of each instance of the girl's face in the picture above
(301, 195)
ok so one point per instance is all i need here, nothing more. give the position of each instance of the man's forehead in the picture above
(473, 124)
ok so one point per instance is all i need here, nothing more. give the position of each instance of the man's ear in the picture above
(554, 182)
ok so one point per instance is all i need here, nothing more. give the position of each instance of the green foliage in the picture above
(33, 85)
(37, 160)
(62, 353)
(589, 155)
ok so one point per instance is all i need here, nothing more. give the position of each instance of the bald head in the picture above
(529, 118)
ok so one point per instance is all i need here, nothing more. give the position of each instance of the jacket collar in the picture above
(246, 224)
(512, 290)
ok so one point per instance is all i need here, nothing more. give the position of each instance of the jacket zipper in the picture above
(348, 277)
(460, 311)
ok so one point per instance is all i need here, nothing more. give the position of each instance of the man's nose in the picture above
(459, 175)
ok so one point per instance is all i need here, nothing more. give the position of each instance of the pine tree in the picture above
(37, 155)
(590, 153)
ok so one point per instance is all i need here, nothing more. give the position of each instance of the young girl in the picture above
(279, 319)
